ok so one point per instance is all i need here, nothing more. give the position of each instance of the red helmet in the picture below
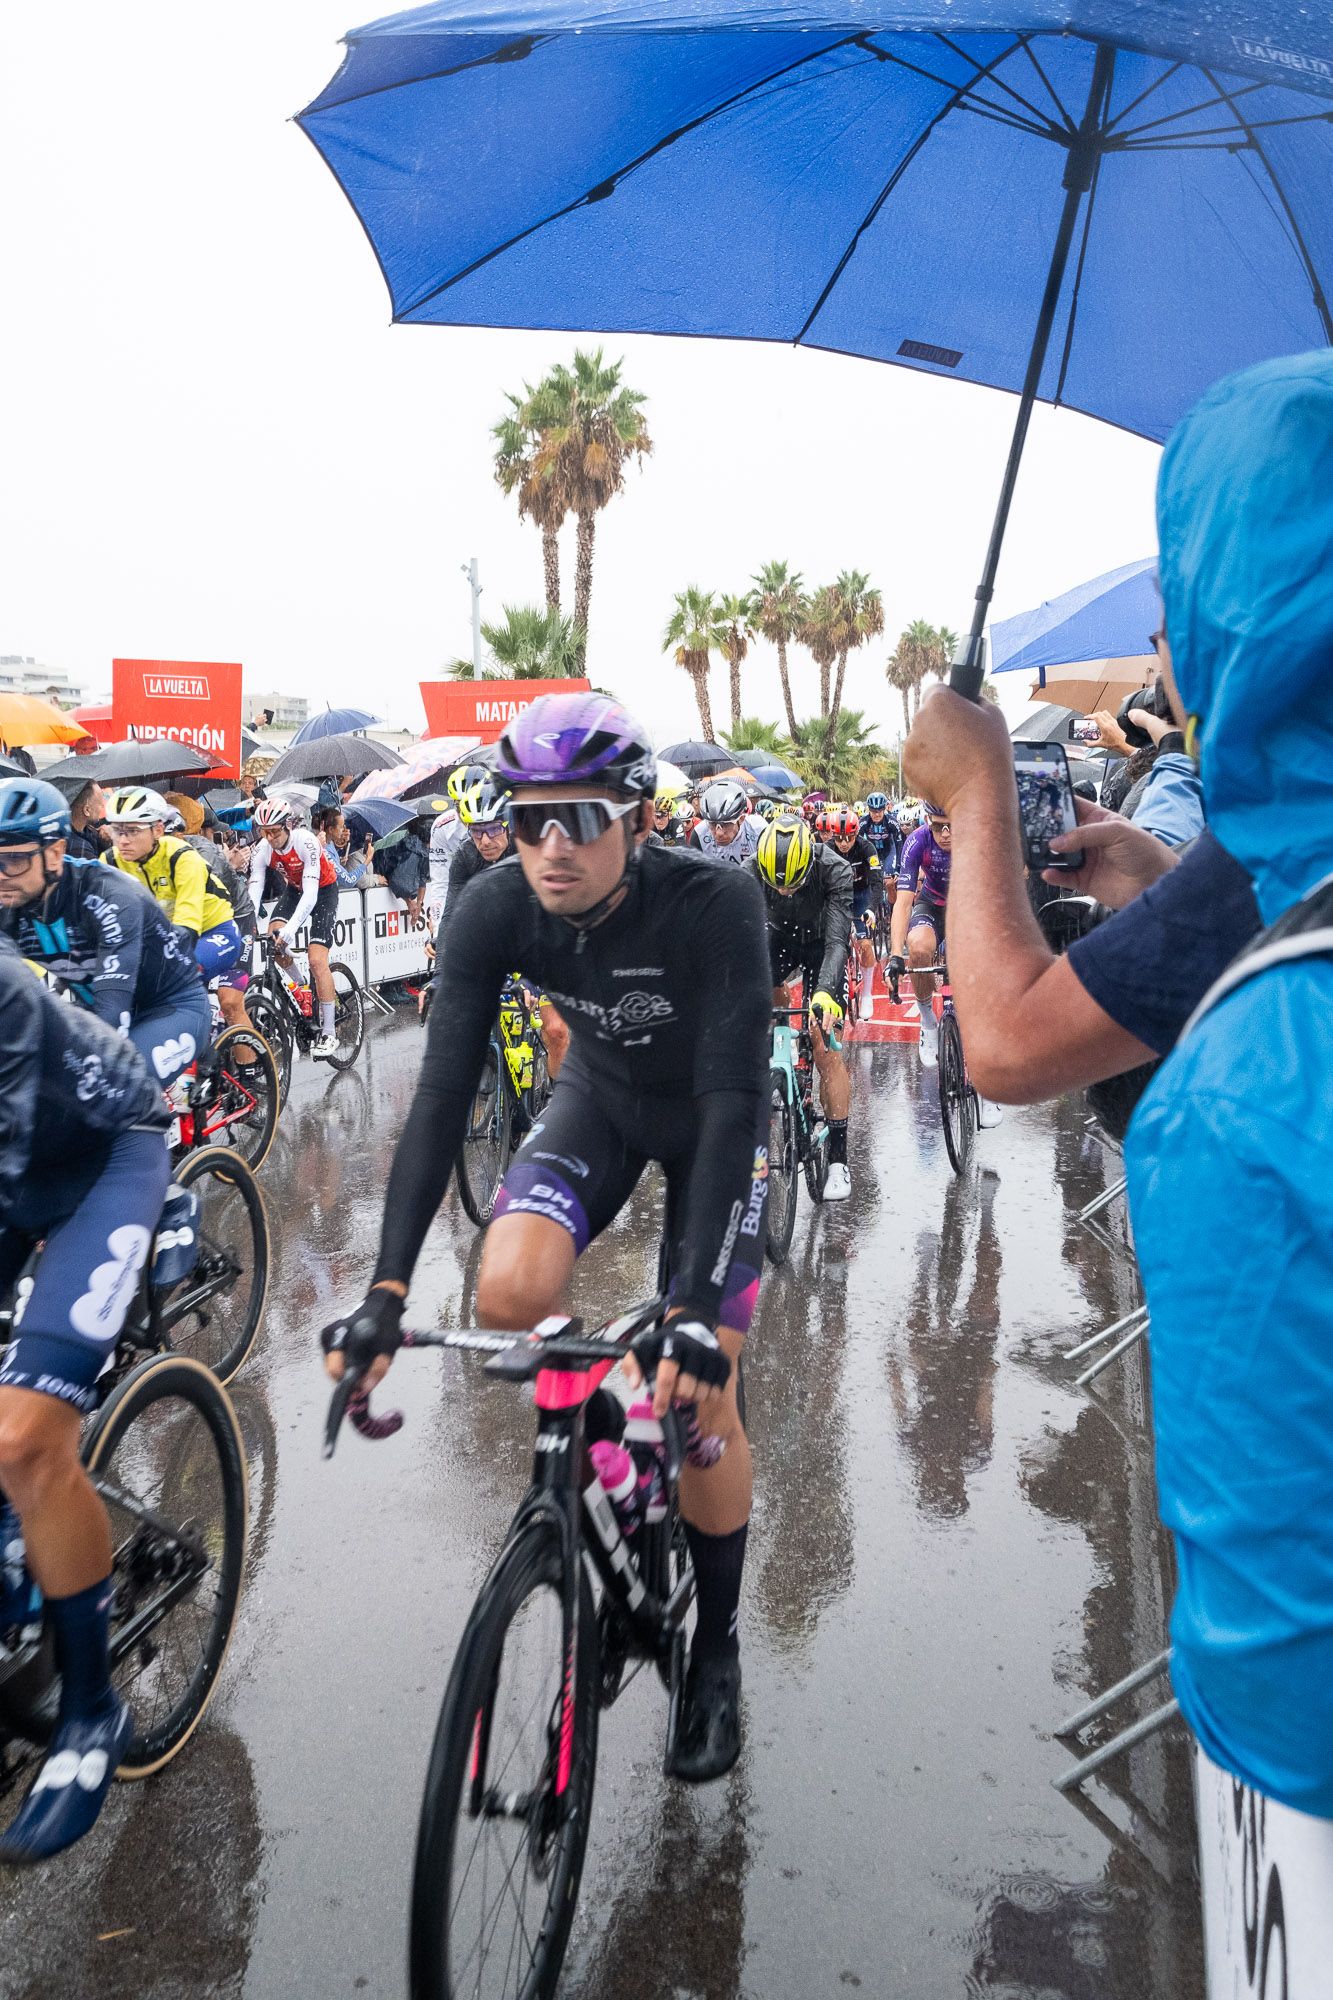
(843, 824)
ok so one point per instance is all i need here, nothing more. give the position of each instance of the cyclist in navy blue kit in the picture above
(83, 1166)
(880, 830)
(101, 935)
(633, 944)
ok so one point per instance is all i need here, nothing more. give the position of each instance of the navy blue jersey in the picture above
(106, 939)
(886, 837)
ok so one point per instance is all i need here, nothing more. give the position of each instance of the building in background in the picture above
(20, 673)
(289, 710)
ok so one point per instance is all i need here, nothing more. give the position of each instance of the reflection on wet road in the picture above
(951, 1549)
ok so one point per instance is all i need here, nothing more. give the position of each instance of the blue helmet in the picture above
(30, 809)
(876, 802)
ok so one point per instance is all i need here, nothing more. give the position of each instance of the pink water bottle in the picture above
(647, 1447)
(619, 1475)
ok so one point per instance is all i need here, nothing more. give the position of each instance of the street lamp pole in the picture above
(471, 572)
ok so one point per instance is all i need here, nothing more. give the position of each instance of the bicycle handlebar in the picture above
(514, 1357)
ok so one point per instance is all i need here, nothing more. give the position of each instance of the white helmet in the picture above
(724, 800)
(135, 805)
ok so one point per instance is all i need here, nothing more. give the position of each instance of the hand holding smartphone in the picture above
(1046, 804)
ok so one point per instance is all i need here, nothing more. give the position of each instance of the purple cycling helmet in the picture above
(563, 739)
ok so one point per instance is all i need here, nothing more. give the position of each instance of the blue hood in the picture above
(1245, 523)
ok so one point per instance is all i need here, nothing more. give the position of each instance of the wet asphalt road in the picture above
(951, 1548)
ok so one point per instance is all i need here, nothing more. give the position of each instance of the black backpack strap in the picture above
(1303, 931)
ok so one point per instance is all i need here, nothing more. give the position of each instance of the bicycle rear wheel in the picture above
(214, 1314)
(504, 1818)
(165, 1453)
(487, 1142)
(349, 1016)
(782, 1182)
(957, 1108)
(247, 1095)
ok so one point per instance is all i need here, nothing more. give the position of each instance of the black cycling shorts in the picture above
(322, 918)
(924, 911)
(581, 1162)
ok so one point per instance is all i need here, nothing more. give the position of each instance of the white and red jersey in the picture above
(303, 865)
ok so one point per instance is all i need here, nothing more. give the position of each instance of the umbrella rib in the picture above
(610, 182)
(872, 212)
(1070, 126)
(1190, 111)
(1302, 251)
(991, 75)
(515, 51)
(1042, 127)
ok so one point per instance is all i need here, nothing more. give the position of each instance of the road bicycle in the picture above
(164, 1451)
(229, 1101)
(570, 1612)
(277, 1005)
(511, 1093)
(958, 1097)
(798, 1140)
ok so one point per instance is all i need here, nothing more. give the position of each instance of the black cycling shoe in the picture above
(709, 1739)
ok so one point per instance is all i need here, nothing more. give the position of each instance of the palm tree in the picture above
(777, 613)
(860, 616)
(898, 673)
(527, 464)
(923, 651)
(691, 636)
(594, 426)
(752, 734)
(534, 645)
(836, 766)
(730, 616)
(819, 636)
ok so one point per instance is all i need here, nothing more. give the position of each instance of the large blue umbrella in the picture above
(774, 777)
(1111, 617)
(1100, 206)
(333, 722)
(378, 816)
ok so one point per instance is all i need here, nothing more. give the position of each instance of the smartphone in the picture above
(1046, 804)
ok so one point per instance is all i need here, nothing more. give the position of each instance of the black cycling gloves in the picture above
(373, 1329)
(689, 1343)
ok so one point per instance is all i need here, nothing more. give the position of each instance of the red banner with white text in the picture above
(480, 709)
(191, 701)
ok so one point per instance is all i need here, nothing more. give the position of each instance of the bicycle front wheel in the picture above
(269, 1021)
(504, 1819)
(214, 1314)
(957, 1108)
(349, 1016)
(248, 1096)
(165, 1453)
(782, 1181)
(487, 1141)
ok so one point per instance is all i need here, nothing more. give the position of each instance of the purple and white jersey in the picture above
(924, 858)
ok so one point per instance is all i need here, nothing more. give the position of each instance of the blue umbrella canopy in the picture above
(775, 777)
(1100, 206)
(377, 816)
(333, 722)
(1111, 617)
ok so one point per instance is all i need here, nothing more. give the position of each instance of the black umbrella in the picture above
(699, 760)
(331, 757)
(133, 762)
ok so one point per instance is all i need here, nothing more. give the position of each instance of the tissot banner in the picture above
(480, 709)
(192, 701)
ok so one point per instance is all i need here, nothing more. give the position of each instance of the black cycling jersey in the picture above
(666, 1001)
(107, 939)
(858, 858)
(68, 1086)
(467, 861)
(812, 927)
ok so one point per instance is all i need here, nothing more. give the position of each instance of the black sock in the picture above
(837, 1142)
(81, 1635)
(718, 1561)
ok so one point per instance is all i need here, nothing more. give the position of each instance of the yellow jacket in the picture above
(182, 881)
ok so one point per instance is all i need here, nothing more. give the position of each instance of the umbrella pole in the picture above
(969, 662)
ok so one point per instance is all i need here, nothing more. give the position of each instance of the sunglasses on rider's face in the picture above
(940, 826)
(17, 861)
(488, 830)
(578, 820)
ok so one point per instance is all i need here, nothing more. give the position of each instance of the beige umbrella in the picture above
(1087, 685)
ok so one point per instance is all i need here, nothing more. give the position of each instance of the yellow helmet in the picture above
(785, 854)
(458, 781)
(482, 803)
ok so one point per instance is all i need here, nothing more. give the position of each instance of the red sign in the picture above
(480, 709)
(191, 701)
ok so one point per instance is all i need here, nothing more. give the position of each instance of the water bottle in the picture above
(619, 1475)
(647, 1447)
(305, 1000)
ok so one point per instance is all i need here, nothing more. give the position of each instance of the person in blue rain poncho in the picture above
(1230, 1155)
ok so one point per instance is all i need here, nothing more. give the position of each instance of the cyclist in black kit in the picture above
(634, 944)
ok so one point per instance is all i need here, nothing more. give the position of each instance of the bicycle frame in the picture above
(792, 1054)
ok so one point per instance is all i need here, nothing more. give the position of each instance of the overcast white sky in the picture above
(213, 444)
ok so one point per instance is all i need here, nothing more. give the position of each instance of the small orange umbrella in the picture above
(26, 719)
